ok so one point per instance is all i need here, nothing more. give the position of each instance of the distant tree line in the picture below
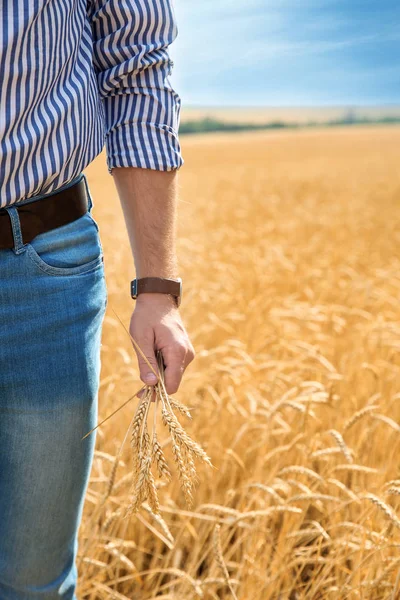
(210, 124)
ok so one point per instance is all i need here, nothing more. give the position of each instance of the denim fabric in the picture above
(53, 298)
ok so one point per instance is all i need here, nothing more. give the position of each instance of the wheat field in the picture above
(289, 252)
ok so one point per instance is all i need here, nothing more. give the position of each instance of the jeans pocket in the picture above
(72, 249)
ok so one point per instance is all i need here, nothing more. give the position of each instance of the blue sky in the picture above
(287, 53)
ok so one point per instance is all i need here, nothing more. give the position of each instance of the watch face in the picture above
(134, 288)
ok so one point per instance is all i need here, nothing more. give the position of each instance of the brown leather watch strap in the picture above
(157, 285)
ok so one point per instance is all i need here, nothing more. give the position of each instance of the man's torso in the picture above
(51, 119)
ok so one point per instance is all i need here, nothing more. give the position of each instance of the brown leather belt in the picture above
(48, 212)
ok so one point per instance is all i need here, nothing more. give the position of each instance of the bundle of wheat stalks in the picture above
(148, 450)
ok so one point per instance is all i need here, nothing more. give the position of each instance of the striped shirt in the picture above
(76, 75)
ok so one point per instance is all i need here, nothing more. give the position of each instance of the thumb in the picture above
(147, 360)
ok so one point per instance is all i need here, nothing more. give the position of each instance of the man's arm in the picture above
(141, 109)
(149, 203)
(148, 200)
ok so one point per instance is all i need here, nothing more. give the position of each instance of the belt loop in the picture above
(16, 229)
(89, 196)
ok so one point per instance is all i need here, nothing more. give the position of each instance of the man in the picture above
(75, 74)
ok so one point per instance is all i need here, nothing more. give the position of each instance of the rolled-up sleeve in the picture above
(132, 63)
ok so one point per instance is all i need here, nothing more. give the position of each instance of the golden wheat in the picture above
(147, 449)
(296, 332)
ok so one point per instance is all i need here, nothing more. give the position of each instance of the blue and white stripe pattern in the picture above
(78, 74)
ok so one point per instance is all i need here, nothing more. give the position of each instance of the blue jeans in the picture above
(53, 298)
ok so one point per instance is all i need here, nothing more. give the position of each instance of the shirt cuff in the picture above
(145, 145)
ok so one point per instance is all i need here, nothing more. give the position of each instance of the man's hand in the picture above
(156, 325)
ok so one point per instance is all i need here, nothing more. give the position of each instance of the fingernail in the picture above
(150, 378)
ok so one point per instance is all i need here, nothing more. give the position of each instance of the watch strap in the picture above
(157, 285)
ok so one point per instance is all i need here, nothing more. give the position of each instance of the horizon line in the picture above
(295, 106)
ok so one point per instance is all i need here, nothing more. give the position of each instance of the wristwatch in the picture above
(157, 285)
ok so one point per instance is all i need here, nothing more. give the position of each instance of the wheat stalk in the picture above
(219, 557)
(385, 508)
(147, 449)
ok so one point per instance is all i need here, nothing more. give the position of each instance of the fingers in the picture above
(145, 341)
(164, 331)
(176, 358)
